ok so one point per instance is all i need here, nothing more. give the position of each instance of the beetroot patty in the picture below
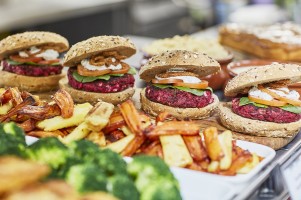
(32, 70)
(177, 98)
(114, 84)
(269, 114)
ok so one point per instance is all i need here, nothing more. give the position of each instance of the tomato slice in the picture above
(49, 62)
(275, 103)
(85, 72)
(125, 68)
(167, 81)
(18, 58)
(284, 99)
(201, 85)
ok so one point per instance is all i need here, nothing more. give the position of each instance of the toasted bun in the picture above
(255, 127)
(263, 74)
(25, 40)
(154, 108)
(30, 83)
(96, 45)
(197, 63)
(80, 96)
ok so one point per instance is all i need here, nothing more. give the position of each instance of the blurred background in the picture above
(81, 19)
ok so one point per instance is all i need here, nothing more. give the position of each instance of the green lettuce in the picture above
(197, 92)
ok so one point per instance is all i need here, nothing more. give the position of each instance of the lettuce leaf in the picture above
(12, 62)
(290, 108)
(197, 92)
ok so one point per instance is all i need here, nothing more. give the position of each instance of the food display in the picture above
(277, 41)
(175, 85)
(98, 71)
(31, 61)
(266, 108)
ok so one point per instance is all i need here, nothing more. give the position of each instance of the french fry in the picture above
(175, 152)
(80, 132)
(240, 162)
(98, 138)
(131, 117)
(249, 165)
(195, 147)
(28, 125)
(4, 108)
(225, 140)
(195, 166)
(134, 145)
(115, 135)
(58, 122)
(175, 128)
(214, 149)
(153, 149)
(116, 121)
(213, 167)
(121, 144)
(126, 130)
(98, 116)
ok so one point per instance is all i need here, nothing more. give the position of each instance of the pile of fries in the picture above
(128, 131)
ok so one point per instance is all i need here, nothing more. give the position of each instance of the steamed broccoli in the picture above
(49, 151)
(123, 187)
(12, 140)
(153, 178)
(86, 177)
(84, 150)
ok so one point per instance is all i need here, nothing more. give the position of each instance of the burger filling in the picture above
(179, 89)
(104, 73)
(35, 61)
(279, 105)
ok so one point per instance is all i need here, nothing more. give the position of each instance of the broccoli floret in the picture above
(148, 169)
(86, 177)
(111, 162)
(161, 189)
(49, 151)
(123, 187)
(14, 130)
(84, 150)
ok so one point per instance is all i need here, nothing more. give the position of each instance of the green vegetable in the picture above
(149, 172)
(87, 177)
(16, 131)
(123, 187)
(49, 151)
(197, 92)
(12, 62)
(132, 71)
(83, 150)
(290, 108)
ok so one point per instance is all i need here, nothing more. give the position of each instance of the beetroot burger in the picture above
(263, 106)
(97, 70)
(175, 84)
(31, 62)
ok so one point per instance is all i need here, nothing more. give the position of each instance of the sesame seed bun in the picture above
(154, 108)
(80, 96)
(30, 83)
(197, 63)
(20, 41)
(96, 45)
(261, 75)
(255, 127)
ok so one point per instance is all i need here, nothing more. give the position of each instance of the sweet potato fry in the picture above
(133, 146)
(212, 143)
(153, 149)
(115, 135)
(195, 147)
(42, 134)
(40, 112)
(11, 94)
(162, 117)
(131, 117)
(28, 125)
(64, 100)
(175, 128)
(116, 121)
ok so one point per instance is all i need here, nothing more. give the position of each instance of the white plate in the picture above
(30, 140)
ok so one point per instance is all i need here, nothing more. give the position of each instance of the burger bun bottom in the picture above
(154, 108)
(80, 96)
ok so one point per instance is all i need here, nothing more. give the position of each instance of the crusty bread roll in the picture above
(96, 45)
(30, 83)
(17, 42)
(277, 42)
(263, 74)
(197, 63)
(255, 127)
(81, 96)
(154, 109)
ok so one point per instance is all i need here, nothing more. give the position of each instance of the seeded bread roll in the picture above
(81, 96)
(197, 63)
(263, 74)
(154, 108)
(20, 41)
(96, 45)
(30, 83)
(255, 127)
